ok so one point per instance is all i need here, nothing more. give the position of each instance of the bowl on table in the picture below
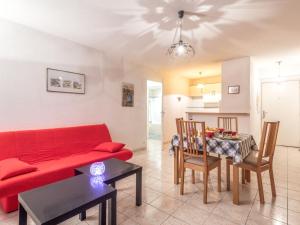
(227, 133)
(209, 134)
(221, 130)
(233, 133)
(230, 135)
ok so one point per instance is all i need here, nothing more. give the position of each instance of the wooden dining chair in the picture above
(228, 123)
(193, 171)
(192, 158)
(178, 124)
(261, 160)
(176, 155)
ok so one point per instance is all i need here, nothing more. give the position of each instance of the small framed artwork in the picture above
(235, 89)
(127, 95)
(65, 81)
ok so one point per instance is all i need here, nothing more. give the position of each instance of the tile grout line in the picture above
(252, 204)
(165, 219)
(212, 211)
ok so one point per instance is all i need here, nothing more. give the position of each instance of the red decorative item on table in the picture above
(221, 130)
(233, 133)
(209, 134)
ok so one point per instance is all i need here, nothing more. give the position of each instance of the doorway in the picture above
(154, 111)
(281, 102)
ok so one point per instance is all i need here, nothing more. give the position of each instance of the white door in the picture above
(281, 101)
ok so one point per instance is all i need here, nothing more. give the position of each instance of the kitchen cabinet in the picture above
(208, 89)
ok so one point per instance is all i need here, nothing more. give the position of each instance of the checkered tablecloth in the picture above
(237, 149)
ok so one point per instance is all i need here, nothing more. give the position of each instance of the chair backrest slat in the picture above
(194, 134)
(228, 123)
(268, 141)
(178, 124)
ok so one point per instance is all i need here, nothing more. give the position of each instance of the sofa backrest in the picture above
(34, 146)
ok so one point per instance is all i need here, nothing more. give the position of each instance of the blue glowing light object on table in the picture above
(97, 169)
(96, 181)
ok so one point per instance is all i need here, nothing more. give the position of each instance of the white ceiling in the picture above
(142, 30)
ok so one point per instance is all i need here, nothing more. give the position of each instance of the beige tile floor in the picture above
(163, 205)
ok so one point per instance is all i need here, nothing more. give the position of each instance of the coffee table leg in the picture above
(82, 215)
(102, 213)
(138, 187)
(22, 215)
(113, 184)
(112, 210)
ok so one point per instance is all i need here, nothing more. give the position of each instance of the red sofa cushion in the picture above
(109, 147)
(54, 170)
(13, 167)
(33, 146)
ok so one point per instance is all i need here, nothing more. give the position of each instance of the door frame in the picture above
(276, 80)
(162, 109)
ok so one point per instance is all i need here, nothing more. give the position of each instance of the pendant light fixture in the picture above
(279, 69)
(279, 72)
(200, 85)
(180, 49)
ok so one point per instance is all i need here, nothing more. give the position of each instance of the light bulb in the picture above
(180, 50)
(97, 168)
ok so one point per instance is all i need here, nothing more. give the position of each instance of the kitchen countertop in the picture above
(221, 113)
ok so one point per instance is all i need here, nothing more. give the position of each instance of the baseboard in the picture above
(145, 148)
(139, 149)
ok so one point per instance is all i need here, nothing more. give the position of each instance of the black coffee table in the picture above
(116, 170)
(57, 202)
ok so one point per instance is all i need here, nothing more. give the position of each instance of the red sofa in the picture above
(55, 152)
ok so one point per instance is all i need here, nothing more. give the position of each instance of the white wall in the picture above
(255, 101)
(236, 72)
(25, 104)
(174, 87)
(173, 109)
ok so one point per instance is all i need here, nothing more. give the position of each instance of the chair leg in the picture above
(182, 179)
(193, 177)
(228, 174)
(260, 187)
(272, 181)
(243, 176)
(248, 175)
(219, 177)
(205, 182)
(176, 166)
(235, 185)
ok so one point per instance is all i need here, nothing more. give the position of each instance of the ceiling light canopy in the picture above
(180, 49)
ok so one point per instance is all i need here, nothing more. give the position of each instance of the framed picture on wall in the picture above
(235, 89)
(65, 81)
(127, 95)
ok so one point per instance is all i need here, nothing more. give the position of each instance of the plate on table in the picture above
(233, 138)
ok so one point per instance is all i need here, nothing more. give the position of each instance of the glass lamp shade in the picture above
(181, 50)
(97, 169)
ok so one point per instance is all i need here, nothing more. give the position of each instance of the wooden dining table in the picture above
(237, 149)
